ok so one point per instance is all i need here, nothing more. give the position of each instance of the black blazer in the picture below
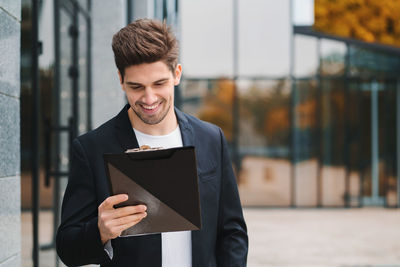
(222, 241)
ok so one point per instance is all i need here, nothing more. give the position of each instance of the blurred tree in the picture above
(367, 20)
(217, 106)
(269, 112)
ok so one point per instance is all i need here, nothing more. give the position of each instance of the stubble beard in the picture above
(153, 119)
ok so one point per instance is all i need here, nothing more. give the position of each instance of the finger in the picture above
(117, 226)
(109, 202)
(129, 210)
(112, 214)
(128, 225)
(127, 220)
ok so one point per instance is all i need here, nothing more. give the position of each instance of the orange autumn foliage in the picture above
(217, 107)
(367, 20)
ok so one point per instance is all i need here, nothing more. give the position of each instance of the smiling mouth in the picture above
(150, 108)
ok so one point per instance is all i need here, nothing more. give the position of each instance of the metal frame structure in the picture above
(398, 140)
(346, 78)
(308, 30)
(375, 199)
(35, 130)
(53, 129)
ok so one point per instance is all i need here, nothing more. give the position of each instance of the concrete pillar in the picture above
(107, 96)
(10, 201)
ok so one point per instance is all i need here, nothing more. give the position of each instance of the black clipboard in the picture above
(165, 180)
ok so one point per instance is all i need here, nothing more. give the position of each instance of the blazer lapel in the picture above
(188, 137)
(123, 130)
(185, 127)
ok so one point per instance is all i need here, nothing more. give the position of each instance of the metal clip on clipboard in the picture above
(143, 148)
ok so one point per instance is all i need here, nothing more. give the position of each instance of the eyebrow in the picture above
(139, 84)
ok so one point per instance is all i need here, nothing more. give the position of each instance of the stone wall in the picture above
(10, 215)
(107, 97)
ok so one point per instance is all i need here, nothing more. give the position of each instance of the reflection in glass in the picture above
(305, 142)
(331, 135)
(210, 100)
(332, 57)
(387, 142)
(306, 119)
(333, 171)
(365, 138)
(264, 118)
(65, 63)
(364, 62)
(360, 138)
(310, 129)
(264, 177)
(357, 157)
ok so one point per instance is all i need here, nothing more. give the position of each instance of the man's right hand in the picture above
(112, 222)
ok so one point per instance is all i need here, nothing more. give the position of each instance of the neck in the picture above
(166, 126)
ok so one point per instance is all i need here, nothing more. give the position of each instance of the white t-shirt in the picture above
(176, 246)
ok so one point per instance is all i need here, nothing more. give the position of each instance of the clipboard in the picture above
(165, 180)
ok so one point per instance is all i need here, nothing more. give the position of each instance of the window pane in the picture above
(65, 63)
(264, 37)
(210, 100)
(305, 143)
(387, 141)
(303, 12)
(356, 131)
(368, 62)
(264, 177)
(332, 141)
(333, 57)
(306, 56)
(206, 38)
(83, 82)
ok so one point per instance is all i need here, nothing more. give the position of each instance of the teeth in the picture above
(150, 107)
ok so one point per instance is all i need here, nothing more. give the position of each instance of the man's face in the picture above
(149, 88)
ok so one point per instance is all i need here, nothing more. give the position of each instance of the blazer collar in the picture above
(185, 127)
(127, 138)
(125, 134)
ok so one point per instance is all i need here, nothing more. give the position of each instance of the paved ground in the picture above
(368, 237)
(355, 237)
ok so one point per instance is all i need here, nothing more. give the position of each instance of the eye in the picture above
(160, 83)
(136, 87)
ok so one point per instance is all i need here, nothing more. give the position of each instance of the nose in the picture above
(149, 96)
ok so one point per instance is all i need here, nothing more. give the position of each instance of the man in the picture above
(146, 54)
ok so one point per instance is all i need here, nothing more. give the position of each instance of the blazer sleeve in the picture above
(78, 239)
(232, 235)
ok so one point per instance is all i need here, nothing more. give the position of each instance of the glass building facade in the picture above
(311, 118)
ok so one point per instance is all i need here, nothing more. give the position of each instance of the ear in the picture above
(120, 77)
(178, 74)
(120, 81)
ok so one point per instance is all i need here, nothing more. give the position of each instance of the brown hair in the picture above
(145, 41)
